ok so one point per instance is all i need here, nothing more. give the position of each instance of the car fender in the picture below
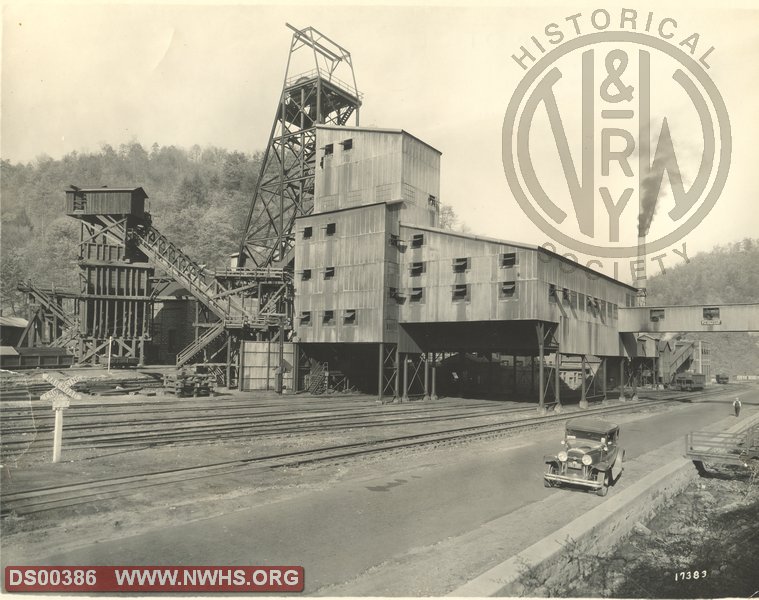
(547, 459)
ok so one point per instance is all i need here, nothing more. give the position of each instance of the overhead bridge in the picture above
(699, 318)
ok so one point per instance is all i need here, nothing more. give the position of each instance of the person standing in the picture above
(737, 406)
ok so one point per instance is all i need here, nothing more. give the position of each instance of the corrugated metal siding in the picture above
(380, 167)
(106, 202)
(357, 253)
(259, 363)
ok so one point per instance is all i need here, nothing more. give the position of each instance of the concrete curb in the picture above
(554, 559)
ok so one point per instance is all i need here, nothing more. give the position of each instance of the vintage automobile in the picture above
(591, 457)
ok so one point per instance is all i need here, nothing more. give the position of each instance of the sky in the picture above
(77, 76)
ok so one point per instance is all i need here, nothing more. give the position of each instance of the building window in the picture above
(565, 295)
(395, 240)
(656, 314)
(593, 306)
(329, 149)
(329, 317)
(308, 232)
(509, 259)
(711, 313)
(305, 275)
(417, 294)
(329, 272)
(509, 289)
(331, 228)
(602, 309)
(552, 292)
(460, 265)
(581, 301)
(349, 317)
(417, 240)
(305, 317)
(416, 269)
(460, 292)
(614, 311)
(347, 144)
(432, 200)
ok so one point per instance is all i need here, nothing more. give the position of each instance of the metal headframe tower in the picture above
(285, 187)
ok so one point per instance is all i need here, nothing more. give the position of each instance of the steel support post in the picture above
(557, 381)
(584, 397)
(622, 378)
(603, 380)
(404, 398)
(541, 370)
(397, 390)
(514, 375)
(425, 357)
(532, 376)
(434, 377)
(229, 361)
(380, 371)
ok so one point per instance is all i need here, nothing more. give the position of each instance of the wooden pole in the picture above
(434, 377)
(380, 370)
(404, 398)
(426, 377)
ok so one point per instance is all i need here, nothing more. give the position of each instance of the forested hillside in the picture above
(727, 274)
(198, 197)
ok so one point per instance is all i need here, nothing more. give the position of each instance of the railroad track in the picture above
(66, 496)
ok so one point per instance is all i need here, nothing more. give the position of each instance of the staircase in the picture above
(679, 358)
(197, 345)
(49, 302)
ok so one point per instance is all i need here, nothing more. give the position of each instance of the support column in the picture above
(584, 397)
(397, 389)
(622, 378)
(404, 398)
(380, 371)
(603, 380)
(541, 369)
(425, 357)
(462, 368)
(229, 361)
(514, 375)
(434, 377)
(557, 408)
(532, 376)
(281, 365)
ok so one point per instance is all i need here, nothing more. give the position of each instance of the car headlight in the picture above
(562, 456)
(587, 459)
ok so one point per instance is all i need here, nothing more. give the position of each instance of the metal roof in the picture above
(591, 425)
(108, 189)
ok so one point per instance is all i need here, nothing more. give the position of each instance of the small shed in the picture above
(105, 201)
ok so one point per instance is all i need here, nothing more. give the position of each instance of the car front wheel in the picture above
(602, 477)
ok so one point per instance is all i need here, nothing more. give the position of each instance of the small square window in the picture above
(581, 301)
(508, 259)
(509, 289)
(395, 240)
(656, 314)
(329, 272)
(417, 294)
(347, 144)
(305, 317)
(460, 265)
(711, 313)
(417, 240)
(552, 292)
(329, 149)
(308, 232)
(614, 311)
(416, 269)
(349, 317)
(305, 275)
(432, 200)
(460, 292)
(329, 317)
(331, 228)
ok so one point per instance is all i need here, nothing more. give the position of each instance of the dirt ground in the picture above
(711, 528)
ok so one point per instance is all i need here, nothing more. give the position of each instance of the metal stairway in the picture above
(50, 308)
(679, 358)
(200, 343)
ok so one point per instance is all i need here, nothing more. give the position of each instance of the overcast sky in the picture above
(76, 76)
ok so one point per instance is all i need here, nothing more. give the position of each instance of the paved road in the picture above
(339, 532)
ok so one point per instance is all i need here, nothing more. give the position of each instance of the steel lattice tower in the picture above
(285, 187)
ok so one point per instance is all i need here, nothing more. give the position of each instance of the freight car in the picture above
(690, 381)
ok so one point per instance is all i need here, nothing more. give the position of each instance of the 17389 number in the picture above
(686, 575)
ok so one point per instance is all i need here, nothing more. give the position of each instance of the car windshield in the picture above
(584, 435)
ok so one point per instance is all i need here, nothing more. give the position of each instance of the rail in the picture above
(723, 447)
